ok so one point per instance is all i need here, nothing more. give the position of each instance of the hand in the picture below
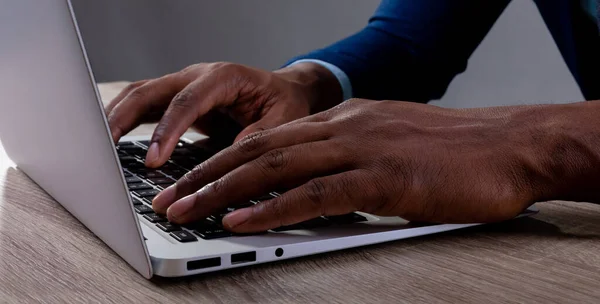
(420, 162)
(205, 96)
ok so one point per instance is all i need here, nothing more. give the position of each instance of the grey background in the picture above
(135, 39)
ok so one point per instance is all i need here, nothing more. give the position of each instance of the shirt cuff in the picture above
(337, 72)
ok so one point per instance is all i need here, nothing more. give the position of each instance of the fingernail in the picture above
(181, 207)
(153, 154)
(237, 217)
(165, 198)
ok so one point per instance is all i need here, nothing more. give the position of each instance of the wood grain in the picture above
(48, 256)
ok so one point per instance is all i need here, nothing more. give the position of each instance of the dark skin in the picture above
(420, 162)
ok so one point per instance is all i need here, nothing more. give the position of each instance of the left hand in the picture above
(389, 158)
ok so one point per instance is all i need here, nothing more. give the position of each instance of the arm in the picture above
(390, 158)
(564, 143)
(412, 49)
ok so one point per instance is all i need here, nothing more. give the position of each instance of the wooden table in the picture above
(46, 255)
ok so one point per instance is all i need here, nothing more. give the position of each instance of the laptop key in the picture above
(147, 193)
(155, 218)
(127, 160)
(201, 225)
(136, 201)
(134, 166)
(168, 227)
(162, 181)
(218, 218)
(145, 143)
(124, 144)
(127, 174)
(182, 152)
(168, 166)
(241, 206)
(315, 223)
(139, 186)
(214, 233)
(147, 174)
(130, 148)
(132, 180)
(187, 165)
(347, 218)
(265, 197)
(143, 209)
(183, 236)
(175, 173)
(288, 228)
(139, 152)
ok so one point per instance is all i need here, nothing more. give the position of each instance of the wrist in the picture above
(320, 86)
(565, 141)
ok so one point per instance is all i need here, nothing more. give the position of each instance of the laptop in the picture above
(53, 126)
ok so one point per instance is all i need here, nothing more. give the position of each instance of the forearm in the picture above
(564, 146)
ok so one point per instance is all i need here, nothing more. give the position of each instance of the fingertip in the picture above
(153, 155)
(164, 199)
(116, 135)
(235, 219)
(180, 209)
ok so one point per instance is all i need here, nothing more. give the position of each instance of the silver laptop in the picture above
(52, 125)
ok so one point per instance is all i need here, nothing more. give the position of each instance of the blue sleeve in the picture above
(411, 49)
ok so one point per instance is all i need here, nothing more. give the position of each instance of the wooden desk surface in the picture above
(46, 255)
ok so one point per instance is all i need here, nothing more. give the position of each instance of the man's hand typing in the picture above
(207, 96)
(420, 162)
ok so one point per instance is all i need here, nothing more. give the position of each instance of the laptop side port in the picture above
(246, 257)
(205, 263)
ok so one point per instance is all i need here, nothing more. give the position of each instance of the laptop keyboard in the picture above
(145, 183)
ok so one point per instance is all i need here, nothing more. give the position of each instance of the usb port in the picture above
(201, 264)
(245, 257)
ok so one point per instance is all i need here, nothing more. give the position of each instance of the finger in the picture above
(238, 154)
(193, 102)
(270, 121)
(331, 195)
(130, 87)
(147, 98)
(281, 167)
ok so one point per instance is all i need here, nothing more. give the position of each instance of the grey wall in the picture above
(133, 39)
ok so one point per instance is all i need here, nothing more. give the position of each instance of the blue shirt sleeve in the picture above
(411, 49)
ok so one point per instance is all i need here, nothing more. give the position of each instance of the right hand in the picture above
(205, 95)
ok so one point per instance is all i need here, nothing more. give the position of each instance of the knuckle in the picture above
(160, 131)
(115, 121)
(138, 93)
(228, 71)
(115, 126)
(183, 100)
(196, 202)
(193, 176)
(217, 186)
(390, 174)
(192, 67)
(134, 85)
(275, 209)
(315, 193)
(253, 142)
(222, 65)
(275, 160)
